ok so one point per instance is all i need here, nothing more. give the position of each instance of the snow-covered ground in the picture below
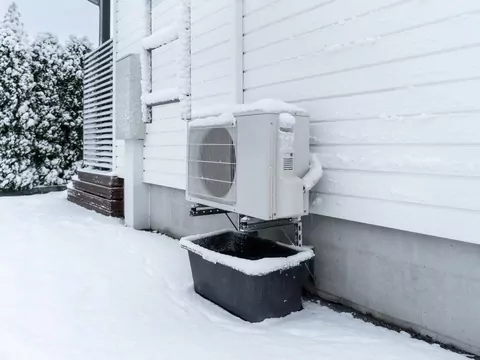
(76, 285)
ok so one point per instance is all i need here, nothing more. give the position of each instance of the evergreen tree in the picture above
(49, 141)
(17, 119)
(71, 99)
(41, 106)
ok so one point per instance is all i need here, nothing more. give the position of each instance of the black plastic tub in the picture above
(252, 278)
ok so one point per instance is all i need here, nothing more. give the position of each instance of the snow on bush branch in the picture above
(41, 106)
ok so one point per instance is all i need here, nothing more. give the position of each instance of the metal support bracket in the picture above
(202, 210)
(247, 224)
(298, 226)
(250, 225)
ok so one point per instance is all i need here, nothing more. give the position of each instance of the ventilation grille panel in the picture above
(288, 163)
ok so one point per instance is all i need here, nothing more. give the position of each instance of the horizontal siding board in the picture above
(455, 224)
(348, 22)
(213, 87)
(203, 11)
(251, 6)
(201, 103)
(165, 56)
(435, 69)
(421, 129)
(164, 82)
(165, 71)
(170, 166)
(166, 151)
(211, 56)
(440, 160)
(132, 35)
(440, 37)
(166, 138)
(453, 192)
(130, 27)
(167, 126)
(217, 19)
(164, 14)
(165, 112)
(165, 142)
(447, 98)
(279, 13)
(214, 70)
(169, 180)
(211, 40)
(174, 152)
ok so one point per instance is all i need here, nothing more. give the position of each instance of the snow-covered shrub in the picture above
(41, 106)
(71, 101)
(46, 66)
(17, 120)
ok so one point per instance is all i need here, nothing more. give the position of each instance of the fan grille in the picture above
(212, 163)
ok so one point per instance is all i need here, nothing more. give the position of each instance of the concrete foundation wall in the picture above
(429, 284)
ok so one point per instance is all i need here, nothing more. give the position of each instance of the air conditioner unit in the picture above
(250, 163)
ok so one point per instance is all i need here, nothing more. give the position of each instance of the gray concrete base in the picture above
(427, 284)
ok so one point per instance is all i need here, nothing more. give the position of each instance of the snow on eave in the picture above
(161, 37)
(161, 96)
(248, 267)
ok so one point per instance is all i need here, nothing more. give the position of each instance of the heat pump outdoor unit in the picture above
(250, 163)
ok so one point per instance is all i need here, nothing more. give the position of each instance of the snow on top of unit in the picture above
(161, 37)
(269, 106)
(265, 105)
(287, 121)
(315, 173)
(225, 119)
(249, 267)
(221, 116)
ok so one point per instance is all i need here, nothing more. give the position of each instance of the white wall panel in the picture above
(212, 54)
(392, 88)
(130, 26)
(129, 29)
(391, 85)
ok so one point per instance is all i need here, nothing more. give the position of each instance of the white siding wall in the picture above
(212, 78)
(392, 88)
(130, 29)
(165, 145)
(130, 26)
(391, 85)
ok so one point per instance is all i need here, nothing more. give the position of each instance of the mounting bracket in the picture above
(250, 224)
(202, 210)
